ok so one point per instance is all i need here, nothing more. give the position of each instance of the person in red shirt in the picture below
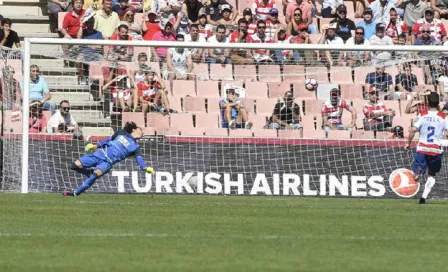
(377, 116)
(332, 112)
(72, 20)
(436, 26)
(395, 26)
(124, 53)
(115, 81)
(260, 55)
(37, 121)
(240, 56)
(150, 25)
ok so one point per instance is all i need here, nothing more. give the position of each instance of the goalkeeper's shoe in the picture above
(149, 170)
(68, 193)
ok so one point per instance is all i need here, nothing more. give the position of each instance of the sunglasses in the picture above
(220, 32)
(261, 27)
(426, 31)
(297, 14)
(359, 33)
(66, 108)
(342, 12)
(35, 71)
(429, 13)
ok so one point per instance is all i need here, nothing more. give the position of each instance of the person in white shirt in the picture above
(329, 37)
(62, 121)
(356, 58)
(380, 39)
(179, 62)
(216, 55)
(197, 54)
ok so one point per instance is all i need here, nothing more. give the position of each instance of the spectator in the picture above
(39, 89)
(301, 38)
(406, 81)
(179, 62)
(395, 26)
(403, 55)
(167, 9)
(377, 116)
(216, 55)
(113, 73)
(240, 56)
(213, 11)
(226, 18)
(382, 82)
(121, 7)
(181, 25)
(381, 10)
(12, 89)
(90, 53)
(441, 8)
(137, 5)
(234, 114)
(368, 24)
(380, 39)
(273, 23)
(138, 75)
(436, 26)
(414, 10)
(286, 114)
(54, 7)
(425, 38)
(288, 56)
(418, 103)
(292, 26)
(72, 20)
(197, 54)
(205, 30)
(152, 94)
(135, 28)
(165, 34)
(119, 87)
(106, 20)
(345, 27)
(329, 36)
(62, 121)
(192, 9)
(332, 111)
(37, 122)
(150, 25)
(251, 23)
(305, 9)
(432, 66)
(124, 53)
(357, 58)
(8, 37)
(260, 55)
(329, 8)
(95, 5)
(260, 8)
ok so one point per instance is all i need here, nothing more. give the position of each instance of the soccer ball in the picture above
(193, 182)
(311, 84)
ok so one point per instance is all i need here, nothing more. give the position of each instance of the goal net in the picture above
(181, 103)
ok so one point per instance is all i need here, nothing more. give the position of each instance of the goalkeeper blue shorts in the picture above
(424, 162)
(97, 160)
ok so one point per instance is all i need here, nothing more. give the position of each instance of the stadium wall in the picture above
(235, 166)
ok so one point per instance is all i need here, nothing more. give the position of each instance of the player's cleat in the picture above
(68, 194)
(422, 201)
(232, 124)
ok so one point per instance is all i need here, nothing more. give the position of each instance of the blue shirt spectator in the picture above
(380, 80)
(39, 90)
(368, 24)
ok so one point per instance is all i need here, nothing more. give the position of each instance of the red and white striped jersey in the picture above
(205, 31)
(436, 26)
(432, 126)
(254, 38)
(251, 28)
(370, 108)
(334, 113)
(261, 10)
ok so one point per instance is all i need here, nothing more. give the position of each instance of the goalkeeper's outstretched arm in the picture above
(142, 164)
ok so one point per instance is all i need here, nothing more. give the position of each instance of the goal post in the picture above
(309, 162)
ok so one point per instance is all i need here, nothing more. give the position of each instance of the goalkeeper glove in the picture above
(149, 170)
(91, 147)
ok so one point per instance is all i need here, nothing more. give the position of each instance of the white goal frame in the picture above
(30, 42)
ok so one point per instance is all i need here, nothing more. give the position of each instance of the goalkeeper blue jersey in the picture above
(120, 146)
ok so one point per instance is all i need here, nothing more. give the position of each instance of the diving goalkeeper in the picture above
(121, 145)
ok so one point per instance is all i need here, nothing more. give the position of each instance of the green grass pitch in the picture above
(46, 232)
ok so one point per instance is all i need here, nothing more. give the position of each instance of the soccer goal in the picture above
(187, 139)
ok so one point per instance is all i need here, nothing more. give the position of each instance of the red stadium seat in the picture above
(240, 133)
(137, 117)
(312, 107)
(341, 75)
(245, 73)
(231, 82)
(302, 93)
(183, 88)
(213, 105)
(249, 103)
(288, 133)
(383, 135)
(265, 106)
(293, 73)
(256, 90)
(206, 120)
(361, 73)
(208, 89)
(181, 120)
(157, 120)
(314, 134)
(258, 120)
(278, 90)
(148, 131)
(264, 133)
(339, 134)
(362, 134)
(218, 132)
(354, 93)
(193, 104)
(201, 71)
(168, 131)
(175, 103)
(192, 131)
(220, 72)
(269, 73)
(318, 73)
(308, 122)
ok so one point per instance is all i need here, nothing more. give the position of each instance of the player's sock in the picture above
(428, 186)
(85, 172)
(86, 185)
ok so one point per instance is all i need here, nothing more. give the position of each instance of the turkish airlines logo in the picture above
(403, 183)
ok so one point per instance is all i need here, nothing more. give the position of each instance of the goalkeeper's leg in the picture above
(84, 164)
(100, 170)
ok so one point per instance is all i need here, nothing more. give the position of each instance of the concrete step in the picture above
(62, 80)
(37, 27)
(46, 50)
(53, 63)
(29, 19)
(89, 116)
(97, 131)
(37, 35)
(13, 10)
(74, 88)
(65, 71)
(72, 97)
(24, 2)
